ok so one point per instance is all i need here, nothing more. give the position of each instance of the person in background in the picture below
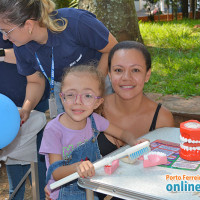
(13, 85)
(48, 40)
(70, 140)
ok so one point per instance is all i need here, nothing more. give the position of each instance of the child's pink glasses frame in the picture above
(86, 98)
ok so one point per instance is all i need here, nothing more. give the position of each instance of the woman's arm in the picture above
(103, 63)
(34, 91)
(126, 136)
(10, 56)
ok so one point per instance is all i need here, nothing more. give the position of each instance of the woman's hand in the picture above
(24, 115)
(142, 140)
(134, 141)
(85, 169)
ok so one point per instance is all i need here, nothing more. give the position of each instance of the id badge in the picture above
(52, 107)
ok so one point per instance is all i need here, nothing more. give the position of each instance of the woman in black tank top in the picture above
(129, 69)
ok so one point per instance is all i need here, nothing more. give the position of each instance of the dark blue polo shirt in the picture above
(12, 84)
(77, 44)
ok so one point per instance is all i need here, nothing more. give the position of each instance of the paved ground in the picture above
(4, 186)
(182, 109)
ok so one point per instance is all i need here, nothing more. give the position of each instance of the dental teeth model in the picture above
(154, 158)
(190, 140)
(110, 168)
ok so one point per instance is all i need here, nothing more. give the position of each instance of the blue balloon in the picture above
(9, 121)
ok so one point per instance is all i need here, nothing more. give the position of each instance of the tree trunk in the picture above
(185, 8)
(193, 8)
(119, 16)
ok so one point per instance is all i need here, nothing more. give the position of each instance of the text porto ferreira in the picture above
(183, 183)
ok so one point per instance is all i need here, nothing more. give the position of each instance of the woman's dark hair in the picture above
(130, 45)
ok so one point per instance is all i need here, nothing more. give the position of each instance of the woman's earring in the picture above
(30, 32)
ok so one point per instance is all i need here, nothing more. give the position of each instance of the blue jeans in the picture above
(16, 172)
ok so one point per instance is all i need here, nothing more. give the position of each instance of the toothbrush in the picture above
(133, 153)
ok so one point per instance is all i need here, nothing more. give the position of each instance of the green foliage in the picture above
(66, 3)
(175, 50)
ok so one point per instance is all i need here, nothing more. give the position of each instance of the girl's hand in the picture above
(47, 193)
(24, 115)
(85, 169)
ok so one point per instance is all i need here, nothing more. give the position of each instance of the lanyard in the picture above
(51, 81)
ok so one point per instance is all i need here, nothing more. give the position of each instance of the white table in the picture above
(132, 181)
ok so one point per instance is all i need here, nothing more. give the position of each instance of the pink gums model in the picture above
(154, 158)
(109, 169)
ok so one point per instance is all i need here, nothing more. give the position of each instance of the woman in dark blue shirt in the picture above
(13, 85)
(47, 41)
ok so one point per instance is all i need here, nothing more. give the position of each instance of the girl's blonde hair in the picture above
(18, 11)
(91, 70)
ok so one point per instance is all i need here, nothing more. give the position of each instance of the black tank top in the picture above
(153, 124)
(107, 147)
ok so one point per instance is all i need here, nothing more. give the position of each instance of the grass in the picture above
(175, 51)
